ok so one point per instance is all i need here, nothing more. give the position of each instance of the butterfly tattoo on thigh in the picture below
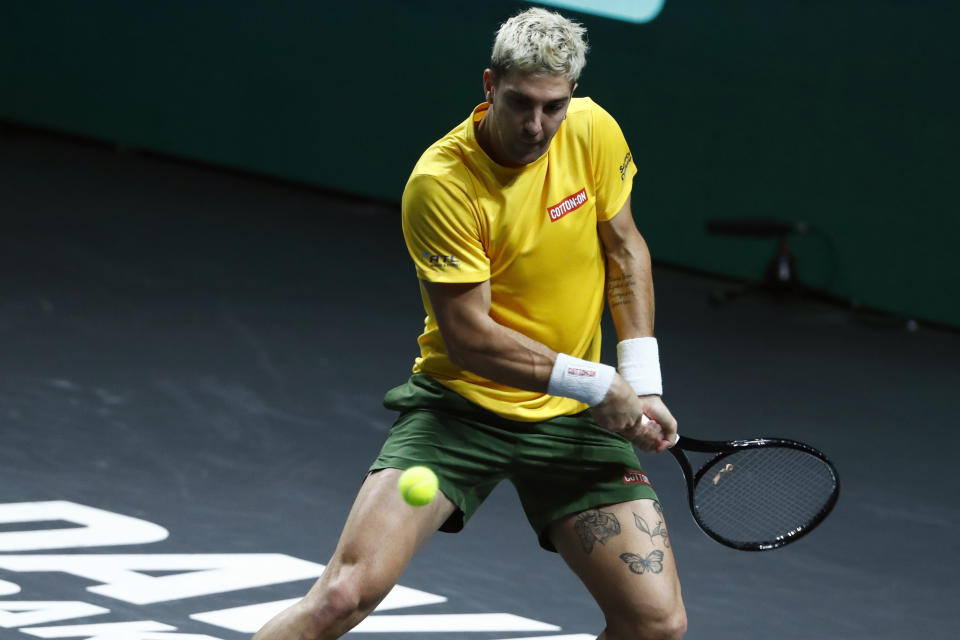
(638, 564)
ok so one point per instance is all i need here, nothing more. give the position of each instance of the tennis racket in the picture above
(759, 494)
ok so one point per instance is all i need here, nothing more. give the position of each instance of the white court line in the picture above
(451, 622)
(574, 636)
(249, 619)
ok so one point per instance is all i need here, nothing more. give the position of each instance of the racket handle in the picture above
(644, 420)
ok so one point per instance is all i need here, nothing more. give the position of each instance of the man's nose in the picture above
(533, 125)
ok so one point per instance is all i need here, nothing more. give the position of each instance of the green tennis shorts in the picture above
(562, 466)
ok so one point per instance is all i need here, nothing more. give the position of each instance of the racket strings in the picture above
(760, 495)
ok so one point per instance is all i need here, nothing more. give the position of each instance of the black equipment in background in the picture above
(780, 274)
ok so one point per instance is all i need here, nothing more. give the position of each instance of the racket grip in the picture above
(644, 420)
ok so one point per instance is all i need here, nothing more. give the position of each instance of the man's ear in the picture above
(488, 83)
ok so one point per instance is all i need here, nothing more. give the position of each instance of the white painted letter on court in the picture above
(96, 527)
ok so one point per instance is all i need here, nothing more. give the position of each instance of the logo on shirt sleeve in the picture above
(626, 165)
(568, 204)
(440, 261)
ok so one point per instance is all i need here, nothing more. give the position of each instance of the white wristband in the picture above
(581, 380)
(639, 360)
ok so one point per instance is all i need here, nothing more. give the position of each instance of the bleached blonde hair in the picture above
(542, 42)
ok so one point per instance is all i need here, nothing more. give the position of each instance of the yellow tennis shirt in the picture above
(531, 231)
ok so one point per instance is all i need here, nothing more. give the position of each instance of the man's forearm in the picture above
(506, 356)
(630, 290)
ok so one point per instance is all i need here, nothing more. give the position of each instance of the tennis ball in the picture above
(418, 486)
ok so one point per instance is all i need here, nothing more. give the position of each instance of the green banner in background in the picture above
(839, 115)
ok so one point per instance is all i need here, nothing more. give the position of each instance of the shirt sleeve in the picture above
(613, 164)
(442, 232)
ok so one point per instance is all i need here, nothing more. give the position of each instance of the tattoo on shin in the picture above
(620, 290)
(652, 562)
(659, 529)
(596, 526)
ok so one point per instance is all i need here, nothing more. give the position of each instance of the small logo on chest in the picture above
(568, 204)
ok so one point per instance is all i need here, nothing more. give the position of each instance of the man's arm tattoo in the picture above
(620, 290)
(596, 526)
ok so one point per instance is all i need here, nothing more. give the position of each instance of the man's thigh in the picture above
(382, 532)
(623, 555)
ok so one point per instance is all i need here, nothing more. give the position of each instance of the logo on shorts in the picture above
(636, 477)
(568, 204)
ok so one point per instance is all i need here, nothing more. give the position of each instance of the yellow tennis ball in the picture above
(418, 486)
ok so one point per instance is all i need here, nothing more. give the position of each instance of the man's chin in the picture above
(528, 155)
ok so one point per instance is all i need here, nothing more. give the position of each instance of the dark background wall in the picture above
(839, 114)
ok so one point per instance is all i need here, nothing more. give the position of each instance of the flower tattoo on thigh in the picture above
(659, 529)
(596, 526)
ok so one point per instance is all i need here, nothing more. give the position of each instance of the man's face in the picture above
(526, 112)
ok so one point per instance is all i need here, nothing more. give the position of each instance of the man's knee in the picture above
(664, 624)
(340, 603)
(671, 626)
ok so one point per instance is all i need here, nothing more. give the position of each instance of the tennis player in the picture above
(519, 224)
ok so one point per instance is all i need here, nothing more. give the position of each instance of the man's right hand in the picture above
(623, 412)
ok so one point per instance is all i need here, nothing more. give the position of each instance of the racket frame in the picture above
(724, 448)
